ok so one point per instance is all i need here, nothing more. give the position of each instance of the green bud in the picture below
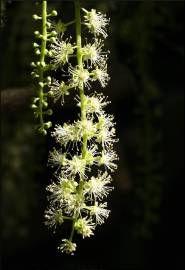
(41, 84)
(47, 125)
(54, 13)
(36, 33)
(35, 45)
(52, 39)
(32, 64)
(35, 99)
(42, 131)
(33, 106)
(53, 33)
(34, 74)
(48, 80)
(37, 52)
(36, 17)
(45, 104)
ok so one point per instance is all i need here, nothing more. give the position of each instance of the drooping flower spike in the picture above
(83, 158)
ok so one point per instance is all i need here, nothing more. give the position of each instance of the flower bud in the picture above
(33, 106)
(32, 64)
(41, 84)
(54, 13)
(48, 125)
(45, 104)
(48, 80)
(34, 74)
(42, 131)
(36, 17)
(35, 45)
(52, 39)
(35, 99)
(36, 33)
(53, 33)
(37, 52)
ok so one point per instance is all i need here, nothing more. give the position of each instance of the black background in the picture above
(146, 227)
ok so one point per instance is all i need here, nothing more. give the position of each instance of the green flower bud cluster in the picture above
(83, 175)
(41, 68)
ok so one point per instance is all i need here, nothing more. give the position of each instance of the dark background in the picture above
(146, 226)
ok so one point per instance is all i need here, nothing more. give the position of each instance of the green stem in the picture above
(42, 60)
(82, 94)
(70, 23)
(80, 64)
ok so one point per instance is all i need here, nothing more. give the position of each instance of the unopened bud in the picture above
(35, 45)
(37, 52)
(36, 17)
(33, 106)
(41, 84)
(47, 125)
(37, 33)
(54, 13)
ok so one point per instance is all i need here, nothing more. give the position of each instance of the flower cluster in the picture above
(84, 157)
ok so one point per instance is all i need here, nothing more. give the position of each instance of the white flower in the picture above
(61, 50)
(62, 190)
(80, 76)
(75, 204)
(57, 158)
(94, 53)
(91, 154)
(105, 121)
(85, 227)
(94, 104)
(100, 74)
(98, 186)
(59, 90)
(100, 212)
(86, 127)
(106, 136)
(75, 166)
(108, 159)
(67, 247)
(53, 217)
(69, 132)
(96, 22)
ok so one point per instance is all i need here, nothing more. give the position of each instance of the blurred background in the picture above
(146, 227)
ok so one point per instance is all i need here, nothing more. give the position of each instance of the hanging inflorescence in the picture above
(84, 156)
(42, 67)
